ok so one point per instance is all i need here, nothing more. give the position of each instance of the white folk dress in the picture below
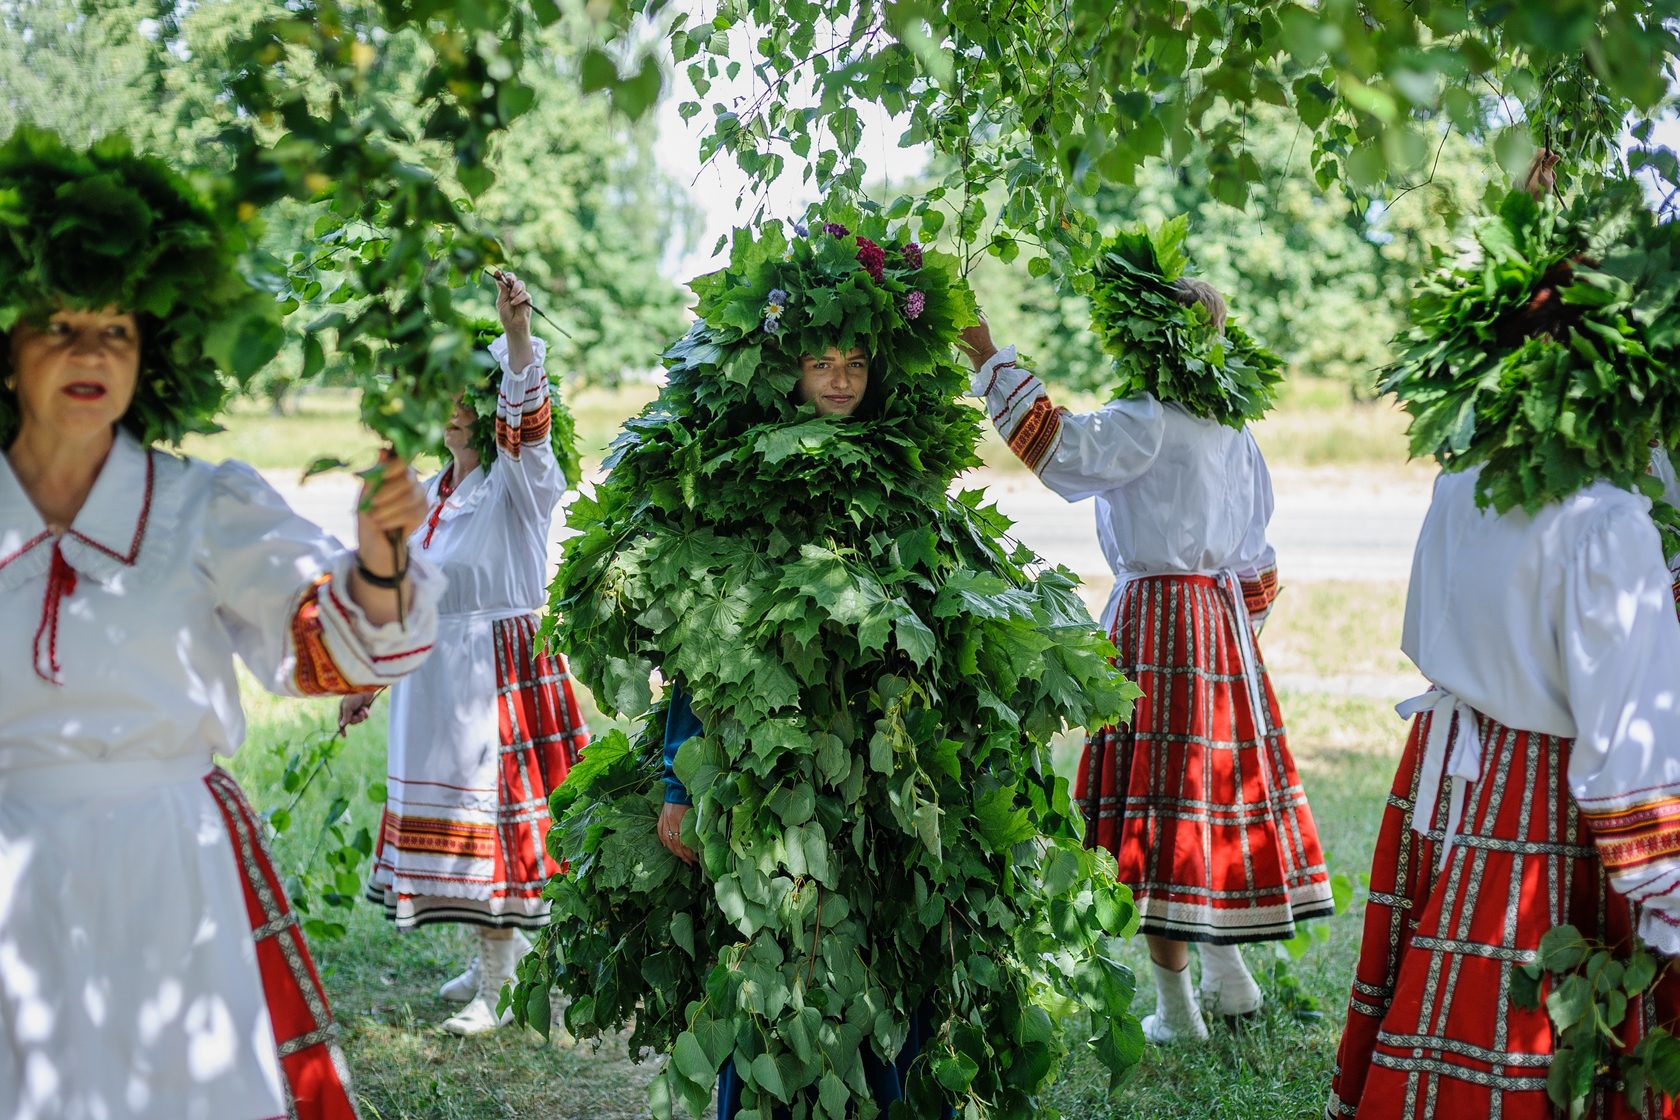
(143, 935)
(1198, 798)
(1540, 786)
(482, 734)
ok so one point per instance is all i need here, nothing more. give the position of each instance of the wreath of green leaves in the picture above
(1548, 355)
(104, 227)
(1168, 348)
(482, 396)
(881, 672)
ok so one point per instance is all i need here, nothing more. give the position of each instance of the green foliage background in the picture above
(577, 203)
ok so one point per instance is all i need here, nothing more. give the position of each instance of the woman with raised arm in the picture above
(1197, 797)
(487, 728)
(150, 968)
(1538, 787)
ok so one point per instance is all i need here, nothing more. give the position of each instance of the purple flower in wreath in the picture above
(835, 229)
(913, 255)
(776, 303)
(801, 229)
(914, 304)
(872, 258)
(773, 324)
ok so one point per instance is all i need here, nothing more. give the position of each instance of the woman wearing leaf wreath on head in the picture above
(150, 968)
(878, 899)
(488, 727)
(1538, 787)
(1197, 797)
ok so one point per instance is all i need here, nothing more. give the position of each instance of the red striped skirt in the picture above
(542, 731)
(316, 1076)
(1431, 1029)
(1212, 832)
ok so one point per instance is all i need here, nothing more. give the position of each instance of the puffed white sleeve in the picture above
(281, 584)
(525, 464)
(1619, 641)
(1076, 455)
(1258, 572)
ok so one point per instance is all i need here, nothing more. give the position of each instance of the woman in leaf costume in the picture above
(889, 900)
(1197, 797)
(488, 727)
(150, 968)
(1540, 782)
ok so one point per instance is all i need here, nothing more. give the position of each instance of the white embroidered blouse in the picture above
(1564, 623)
(1175, 493)
(128, 977)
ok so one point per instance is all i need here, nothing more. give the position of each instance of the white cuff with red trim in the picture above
(371, 655)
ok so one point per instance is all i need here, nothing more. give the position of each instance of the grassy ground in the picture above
(1316, 424)
(383, 985)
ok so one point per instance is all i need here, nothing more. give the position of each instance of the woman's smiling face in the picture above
(834, 381)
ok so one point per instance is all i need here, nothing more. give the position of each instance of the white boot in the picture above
(1227, 986)
(1178, 1015)
(464, 987)
(498, 958)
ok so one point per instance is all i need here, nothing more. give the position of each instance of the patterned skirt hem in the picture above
(413, 911)
(1225, 933)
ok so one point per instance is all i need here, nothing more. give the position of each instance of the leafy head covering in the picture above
(1548, 353)
(482, 395)
(105, 227)
(782, 298)
(880, 672)
(1167, 346)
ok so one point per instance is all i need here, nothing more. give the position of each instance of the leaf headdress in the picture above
(104, 227)
(1548, 352)
(1168, 348)
(482, 396)
(880, 672)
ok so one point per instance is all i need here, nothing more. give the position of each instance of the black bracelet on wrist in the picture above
(389, 583)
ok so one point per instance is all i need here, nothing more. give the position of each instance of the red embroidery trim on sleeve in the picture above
(317, 672)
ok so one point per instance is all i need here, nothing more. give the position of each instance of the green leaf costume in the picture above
(880, 672)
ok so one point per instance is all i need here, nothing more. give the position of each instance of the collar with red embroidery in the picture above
(107, 534)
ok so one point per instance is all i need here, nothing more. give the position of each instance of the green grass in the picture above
(327, 422)
(383, 985)
(1316, 424)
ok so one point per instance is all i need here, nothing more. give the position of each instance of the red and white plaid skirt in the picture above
(1431, 1028)
(312, 1067)
(1212, 833)
(440, 864)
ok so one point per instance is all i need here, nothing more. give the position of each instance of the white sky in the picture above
(716, 188)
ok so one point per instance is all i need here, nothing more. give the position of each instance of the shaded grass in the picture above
(1337, 628)
(383, 985)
